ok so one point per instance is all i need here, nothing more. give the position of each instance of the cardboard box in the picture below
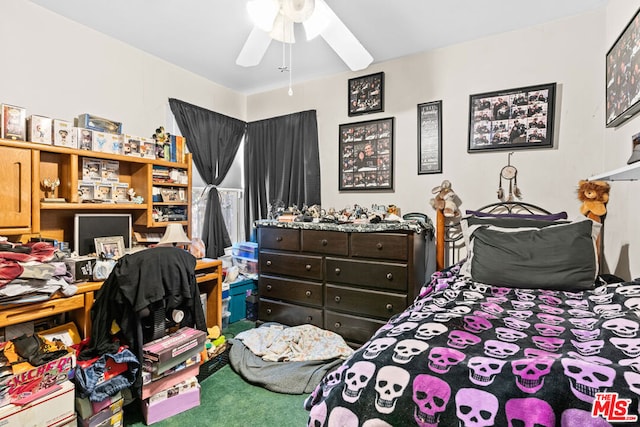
(114, 421)
(177, 388)
(87, 409)
(52, 409)
(104, 415)
(151, 388)
(39, 129)
(82, 138)
(114, 143)
(173, 345)
(100, 124)
(62, 134)
(148, 148)
(158, 411)
(37, 379)
(13, 122)
(131, 145)
(99, 141)
(81, 268)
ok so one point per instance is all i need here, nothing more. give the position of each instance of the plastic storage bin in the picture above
(245, 250)
(246, 265)
(225, 319)
(225, 304)
(238, 291)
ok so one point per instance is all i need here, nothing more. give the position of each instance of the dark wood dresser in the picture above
(347, 279)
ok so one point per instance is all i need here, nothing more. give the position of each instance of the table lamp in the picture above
(174, 235)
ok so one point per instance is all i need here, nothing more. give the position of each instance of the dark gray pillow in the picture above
(558, 257)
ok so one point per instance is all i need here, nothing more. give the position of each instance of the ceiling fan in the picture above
(275, 19)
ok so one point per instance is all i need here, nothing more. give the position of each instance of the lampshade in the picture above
(174, 235)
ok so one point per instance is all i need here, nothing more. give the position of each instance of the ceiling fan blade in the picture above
(254, 48)
(346, 45)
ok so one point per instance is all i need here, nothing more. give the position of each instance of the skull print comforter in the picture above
(470, 354)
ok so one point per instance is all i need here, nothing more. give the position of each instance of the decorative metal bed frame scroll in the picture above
(449, 240)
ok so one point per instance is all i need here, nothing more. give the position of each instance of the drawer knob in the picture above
(269, 262)
(308, 267)
(324, 242)
(268, 311)
(309, 319)
(389, 276)
(337, 271)
(269, 287)
(337, 298)
(379, 245)
(389, 307)
(337, 325)
(279, 239)
(308, 293)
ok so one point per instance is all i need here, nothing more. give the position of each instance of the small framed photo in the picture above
(85, 191)
(512, 119)
(170, 195)
(366, 94)
(91, 170)
(13, 124)
(109, 247)
(430, 137)
(110, 170)
(366, 155)
(103, 192)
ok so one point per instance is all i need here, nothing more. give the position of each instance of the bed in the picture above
(523, 332)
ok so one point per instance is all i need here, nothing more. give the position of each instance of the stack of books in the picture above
(170, 368)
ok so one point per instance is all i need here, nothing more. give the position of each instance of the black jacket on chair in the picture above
(164, 275)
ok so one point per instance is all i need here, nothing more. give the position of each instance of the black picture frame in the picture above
(430, 137)
(512, 119)
(366, 155)
(366, 94)
(622, 84)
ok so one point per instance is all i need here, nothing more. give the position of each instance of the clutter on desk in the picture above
(350, 214)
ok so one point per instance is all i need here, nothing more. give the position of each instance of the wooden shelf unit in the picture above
(25, 165)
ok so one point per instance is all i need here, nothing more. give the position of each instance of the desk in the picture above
(208, 276)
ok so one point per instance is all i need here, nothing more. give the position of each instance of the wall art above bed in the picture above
(366, 155)
(366, 94)
(512, 119)
(623, 75)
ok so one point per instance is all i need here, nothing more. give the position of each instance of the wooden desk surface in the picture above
(208, 276)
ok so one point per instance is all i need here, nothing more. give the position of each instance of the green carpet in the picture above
(226, 400)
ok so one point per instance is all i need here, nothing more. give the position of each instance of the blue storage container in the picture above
(238, 292)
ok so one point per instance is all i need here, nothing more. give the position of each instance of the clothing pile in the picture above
(32, 272)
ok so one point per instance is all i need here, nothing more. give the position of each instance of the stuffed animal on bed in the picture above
(594, 196)
(445, 200)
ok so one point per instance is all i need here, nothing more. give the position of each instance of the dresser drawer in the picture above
(291, 290)
(380, 245)
(366, 302)
(325, 242)
(352, 328)
(383, 275)
(288, 314)
(304, 266)
(279, 238)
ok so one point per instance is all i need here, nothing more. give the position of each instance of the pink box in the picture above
(169, 347)
(163, 409)
(169, 381)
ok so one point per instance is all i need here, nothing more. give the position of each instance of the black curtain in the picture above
(281, 163)
(213, 140)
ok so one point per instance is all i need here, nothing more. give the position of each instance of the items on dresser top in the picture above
(345, 278)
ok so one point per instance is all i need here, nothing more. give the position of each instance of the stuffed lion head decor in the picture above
(594, 196)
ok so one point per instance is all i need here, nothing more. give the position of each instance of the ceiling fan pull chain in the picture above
(290, 68)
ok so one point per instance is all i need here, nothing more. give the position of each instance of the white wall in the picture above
(55, 67)
(570, 52)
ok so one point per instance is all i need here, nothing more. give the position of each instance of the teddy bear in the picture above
(594, 196)
(445, 200)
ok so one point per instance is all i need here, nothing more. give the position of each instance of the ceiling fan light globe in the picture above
(283, 30)
(298, 10)
(263, 13)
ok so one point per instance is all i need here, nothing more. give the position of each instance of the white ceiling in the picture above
(205, 36)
